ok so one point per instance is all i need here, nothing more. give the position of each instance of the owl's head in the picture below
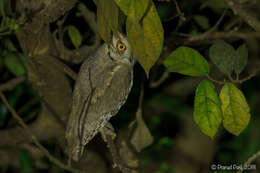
(120, 50)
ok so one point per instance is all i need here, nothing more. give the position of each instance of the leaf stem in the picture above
(215, 81)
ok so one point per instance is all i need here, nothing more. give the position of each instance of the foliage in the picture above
(182, 40)
(207, 112)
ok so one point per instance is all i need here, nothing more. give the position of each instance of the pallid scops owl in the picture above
(102, 87)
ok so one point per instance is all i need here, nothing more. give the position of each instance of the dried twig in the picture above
(182, 18)
(37, 143)
(248, 18)
(250, 160)
(248, 77)
(221, 35)
(217, 24)
(155, 84)
(90, 19)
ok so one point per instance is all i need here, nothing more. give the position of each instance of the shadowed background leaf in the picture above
(75, 36)
(223, 55)
(241, 61)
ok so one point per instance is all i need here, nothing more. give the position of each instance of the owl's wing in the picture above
(110, 94)
(82, 93)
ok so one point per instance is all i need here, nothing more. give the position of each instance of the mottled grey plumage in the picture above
(103, 84)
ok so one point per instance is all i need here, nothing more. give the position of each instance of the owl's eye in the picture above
(121, 47)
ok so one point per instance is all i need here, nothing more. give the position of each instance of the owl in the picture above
(102, 87)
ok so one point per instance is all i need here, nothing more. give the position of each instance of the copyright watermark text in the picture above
(233, 167)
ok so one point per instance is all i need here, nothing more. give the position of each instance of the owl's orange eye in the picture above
(121, 47)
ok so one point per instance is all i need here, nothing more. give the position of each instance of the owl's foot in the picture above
(108, 130)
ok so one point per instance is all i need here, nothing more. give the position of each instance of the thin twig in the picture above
(218, 22)
(90, 19)
(155, 84)
(248, 18)
(250, 160)
(220, 35)
(216, 81)
(182, 18)
(37, 143)
(12, 83)
(181, 14)
(207, 33)
(248, 77)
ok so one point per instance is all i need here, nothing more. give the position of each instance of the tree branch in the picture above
(248, 18)
(220, 35)
(37, 143)
(12, 83)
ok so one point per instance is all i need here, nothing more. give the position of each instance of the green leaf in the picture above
(236, 112)
(187, 61)
(75, 36)
(223, 55)
(107, 18)
(202, 21)
(25, 162)
(15, 64)
(146, 38)
(207, 108)
(134, 9)
(241, 61)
